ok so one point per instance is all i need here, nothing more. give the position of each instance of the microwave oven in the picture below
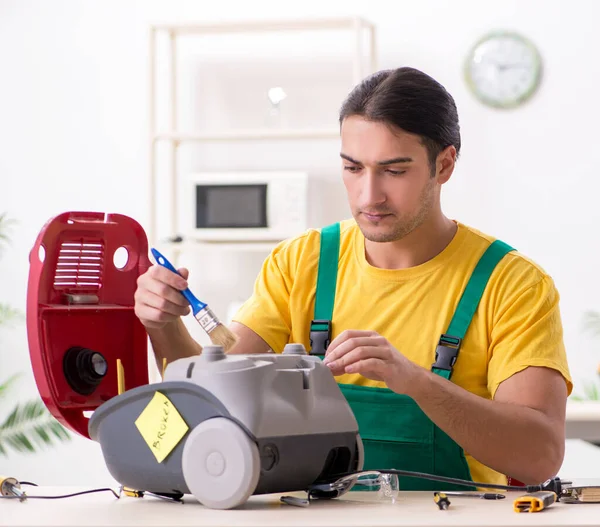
(247, 206)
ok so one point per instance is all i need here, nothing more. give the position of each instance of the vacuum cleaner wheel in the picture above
(220, 464)
(360, 447)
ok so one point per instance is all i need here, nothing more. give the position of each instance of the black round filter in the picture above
(84, 369)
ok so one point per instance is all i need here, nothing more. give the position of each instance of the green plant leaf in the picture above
(591, 392)
(5, 386)
(42, 433)
(5, 224)
(29, 426)
(19, 442)
(59, 431)
(9, 314)
(11, 419)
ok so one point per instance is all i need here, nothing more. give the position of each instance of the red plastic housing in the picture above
(78, 297)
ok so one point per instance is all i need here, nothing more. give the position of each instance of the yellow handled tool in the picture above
(441, 500)
(535, 501)
(132, 493)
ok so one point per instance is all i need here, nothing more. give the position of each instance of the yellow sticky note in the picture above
(161, 426)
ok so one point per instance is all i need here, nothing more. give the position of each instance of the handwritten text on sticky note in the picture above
(161, 426)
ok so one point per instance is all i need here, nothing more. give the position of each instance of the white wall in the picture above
(74, 125)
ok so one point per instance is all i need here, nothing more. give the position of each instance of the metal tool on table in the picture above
(441, 500)
(479, 495)
(10, 487)
(581, 494)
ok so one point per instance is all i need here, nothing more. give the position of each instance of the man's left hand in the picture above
(371, 355)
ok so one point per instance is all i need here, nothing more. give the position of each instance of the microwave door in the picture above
(241, 206)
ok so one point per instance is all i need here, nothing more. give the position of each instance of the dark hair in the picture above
(410, 100)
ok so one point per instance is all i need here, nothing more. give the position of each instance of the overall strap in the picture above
(320, 326)
(449, 343)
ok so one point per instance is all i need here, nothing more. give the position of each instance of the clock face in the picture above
(503, 70)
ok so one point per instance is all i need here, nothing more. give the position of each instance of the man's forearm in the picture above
(514, 440)
(172, 342)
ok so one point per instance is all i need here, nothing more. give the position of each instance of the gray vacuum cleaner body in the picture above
(223, 427)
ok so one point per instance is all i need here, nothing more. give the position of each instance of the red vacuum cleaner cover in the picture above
(79, 300)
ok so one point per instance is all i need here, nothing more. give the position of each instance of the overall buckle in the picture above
(446, 352)
(320, 336)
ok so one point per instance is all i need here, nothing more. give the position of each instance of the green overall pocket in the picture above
(394, 430)
(397, 434)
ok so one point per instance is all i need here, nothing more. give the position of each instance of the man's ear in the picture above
(444, 164)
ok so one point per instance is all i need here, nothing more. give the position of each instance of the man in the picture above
(474, 389)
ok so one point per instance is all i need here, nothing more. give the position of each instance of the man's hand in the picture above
(371, 355)
(158, 298)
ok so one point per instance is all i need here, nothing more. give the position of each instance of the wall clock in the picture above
(503, 69)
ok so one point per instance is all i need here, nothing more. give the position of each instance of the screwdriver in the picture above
(441, 500)
(12, 488)
(480, 495)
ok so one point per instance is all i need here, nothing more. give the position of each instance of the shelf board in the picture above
(583, 420)
(219, 246)
(249, 135)
(266, 25)
(584, 411)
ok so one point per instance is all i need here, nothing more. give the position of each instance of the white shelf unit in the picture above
(222, 247)
(250, 135)
(175, 138)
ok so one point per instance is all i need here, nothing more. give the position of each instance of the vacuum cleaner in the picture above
(219, 427)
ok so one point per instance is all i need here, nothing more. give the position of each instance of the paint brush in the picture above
(218, 333)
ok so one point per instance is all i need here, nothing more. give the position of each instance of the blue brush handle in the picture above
(196, 304)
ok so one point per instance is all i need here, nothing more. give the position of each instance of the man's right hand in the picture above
(158, 298)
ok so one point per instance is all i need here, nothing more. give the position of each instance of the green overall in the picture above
(395, 432)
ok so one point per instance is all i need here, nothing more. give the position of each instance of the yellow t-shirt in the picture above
(517, 323)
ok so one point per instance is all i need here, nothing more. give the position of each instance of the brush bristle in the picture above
(223, 336)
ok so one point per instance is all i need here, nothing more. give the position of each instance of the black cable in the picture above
(552, 484)
(58, 496)
(176, 497)
(456, 481)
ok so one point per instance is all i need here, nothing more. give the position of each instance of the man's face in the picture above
(388, 178)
